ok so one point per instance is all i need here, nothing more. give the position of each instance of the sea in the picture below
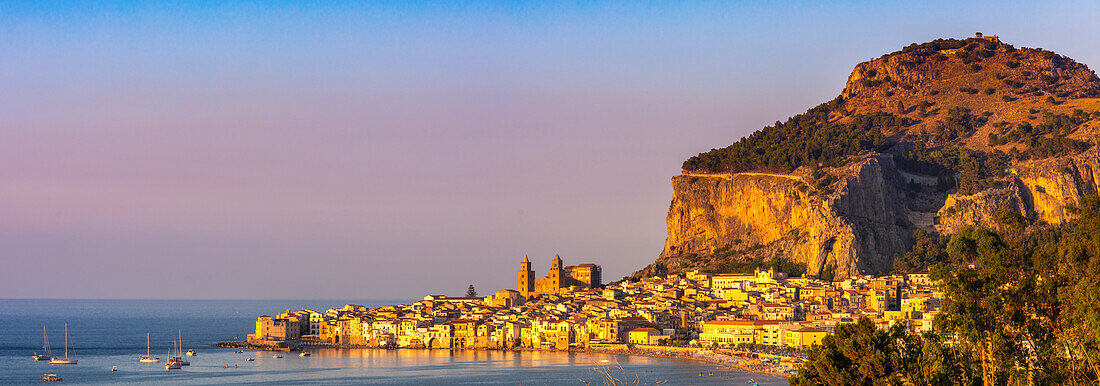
(106, 334)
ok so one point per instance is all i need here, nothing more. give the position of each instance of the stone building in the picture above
(583, 275)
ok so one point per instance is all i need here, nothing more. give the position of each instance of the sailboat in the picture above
(148, 358)
(173, 362)
(179, 351)
(65, 360)
(45, 347)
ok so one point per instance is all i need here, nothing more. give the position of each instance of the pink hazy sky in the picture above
(296, 150)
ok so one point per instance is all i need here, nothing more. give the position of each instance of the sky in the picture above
(389, 150)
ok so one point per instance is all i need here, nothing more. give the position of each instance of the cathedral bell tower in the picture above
(556, 271)
(525, 278)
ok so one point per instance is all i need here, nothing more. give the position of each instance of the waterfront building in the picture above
(645, 335)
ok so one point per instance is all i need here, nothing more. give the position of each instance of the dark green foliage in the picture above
(934, 47)
(805, 139)
(1048, 138)
(976, 306)
(1076, 259)
(1027, 309)
(928, 249)
(862, 354)
(1009, 221)
(976, 171)
(471, 292)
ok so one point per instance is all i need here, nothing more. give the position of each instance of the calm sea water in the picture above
(106, 333)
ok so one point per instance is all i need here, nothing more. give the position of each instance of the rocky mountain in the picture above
(936, 136)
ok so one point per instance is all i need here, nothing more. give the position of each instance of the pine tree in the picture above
(471, 292)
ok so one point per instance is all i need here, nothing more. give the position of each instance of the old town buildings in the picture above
(569, 308)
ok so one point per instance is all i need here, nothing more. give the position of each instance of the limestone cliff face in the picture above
(860, 227)
(1053, 183)
(863, 225)
(1038, 189)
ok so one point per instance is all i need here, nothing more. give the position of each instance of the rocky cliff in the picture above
(1026, 122)
(859, 227)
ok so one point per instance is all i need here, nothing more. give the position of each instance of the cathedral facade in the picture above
(583, 275)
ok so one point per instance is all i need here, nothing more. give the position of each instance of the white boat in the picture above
(277, 356)
(51, 377)
(65, 360)
(250, 360)
(179, 351)
(191, 353)
(148, 357)
(45, 347)
(305, 354)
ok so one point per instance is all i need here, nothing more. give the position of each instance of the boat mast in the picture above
(66, 341)
(45, 341)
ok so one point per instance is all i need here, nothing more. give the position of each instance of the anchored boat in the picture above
(148, 357)
(45, 347)
(178, 354)
(65, 360)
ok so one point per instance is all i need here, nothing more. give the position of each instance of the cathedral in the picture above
(583, 275)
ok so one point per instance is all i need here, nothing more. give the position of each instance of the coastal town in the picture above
(762, 320)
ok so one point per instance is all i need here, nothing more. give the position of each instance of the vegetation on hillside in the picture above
(1024, 308)
(1046, 139)
(805, 139)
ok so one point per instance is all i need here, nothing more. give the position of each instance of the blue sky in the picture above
(387, 150)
